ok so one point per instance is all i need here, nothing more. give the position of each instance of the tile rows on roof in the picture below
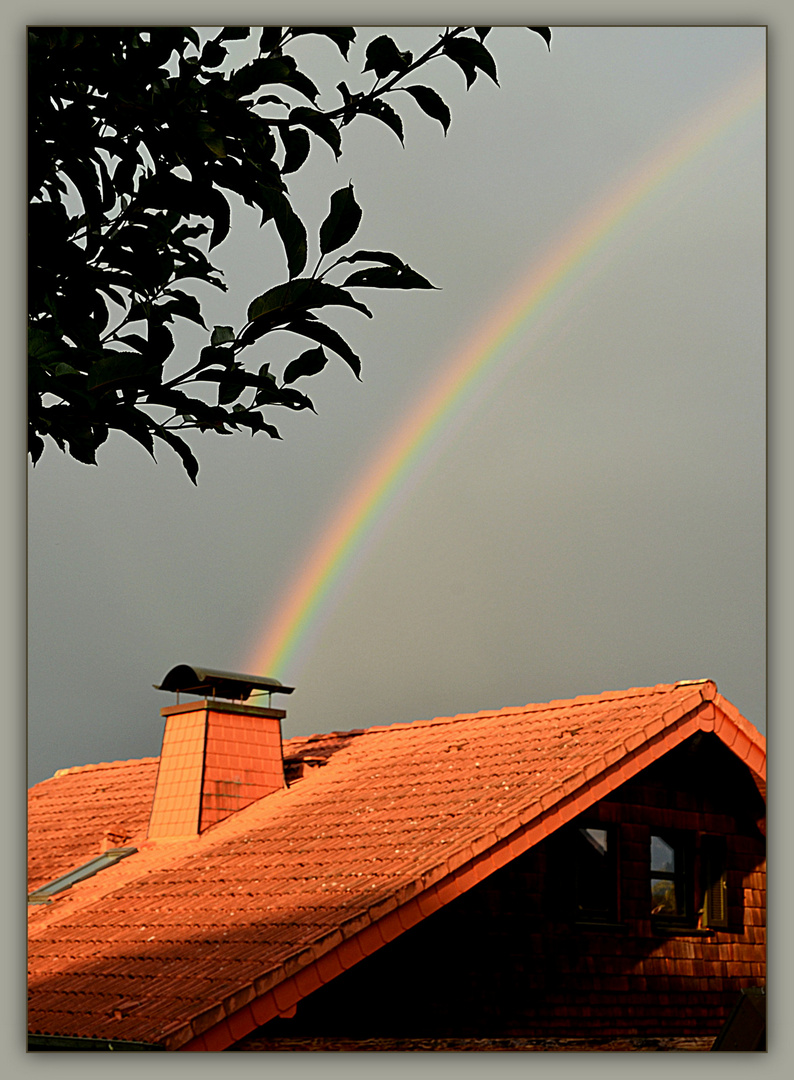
(71, 814)
(72, 770)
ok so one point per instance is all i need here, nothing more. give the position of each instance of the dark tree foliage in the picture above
(136, 138)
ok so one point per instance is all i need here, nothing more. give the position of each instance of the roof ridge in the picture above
(532, 706)
(95, 766)
(323, 736)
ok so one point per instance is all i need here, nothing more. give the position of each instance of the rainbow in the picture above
(499, 343)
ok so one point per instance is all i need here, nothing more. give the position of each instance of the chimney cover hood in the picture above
(209, 682)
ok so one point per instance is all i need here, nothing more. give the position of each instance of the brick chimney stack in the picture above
(217, 756)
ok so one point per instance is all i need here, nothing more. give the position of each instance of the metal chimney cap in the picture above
(210, 682)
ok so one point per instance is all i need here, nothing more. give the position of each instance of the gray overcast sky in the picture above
(597, 522)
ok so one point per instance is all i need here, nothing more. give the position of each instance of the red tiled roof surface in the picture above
(71, 815)
(194, 943)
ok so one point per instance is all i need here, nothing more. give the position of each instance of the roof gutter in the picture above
(65, 1042)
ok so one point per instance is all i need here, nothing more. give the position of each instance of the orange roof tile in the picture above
(70, 815)
(193, 943)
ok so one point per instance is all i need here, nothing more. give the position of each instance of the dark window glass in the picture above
(669, 877)
(595, 874)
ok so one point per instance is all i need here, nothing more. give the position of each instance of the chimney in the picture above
(217, 756)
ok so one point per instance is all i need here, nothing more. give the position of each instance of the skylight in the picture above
(93, 866)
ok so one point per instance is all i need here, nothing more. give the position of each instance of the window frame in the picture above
(713, 899)
(682, 844)
(607, 915)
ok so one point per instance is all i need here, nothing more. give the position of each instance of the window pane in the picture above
(594, 875)
(663, 897)
(662, 856)
(597, 839)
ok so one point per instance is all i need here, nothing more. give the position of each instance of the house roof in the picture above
(79, 809)
(193, 943)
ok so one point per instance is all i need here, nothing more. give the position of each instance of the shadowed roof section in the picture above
(192, 944)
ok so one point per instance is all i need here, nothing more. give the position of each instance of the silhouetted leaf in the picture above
(182, 404)
(388, 277)
(217, 146)
(269, 38)
(234, 33)
(212, 354)
(342, 222)
(264, 71)
(431, 103)
(290, 229)
(35, 445)
(296, 148)
(229, 390)
(242, 417)
(321, 294)
(342, 36)
(185, 305)
(320, 124)
(300, 82)
(115, 369)
(383, 57)
(270, 99)
(279, 298)
(384, 112)
(213, 54)
(544, 32)
(236, 374)
(221, 335)
(86, 182)
(43, 345)
(181, 447)
(136, 342)
(301, 294)
(282, 395)
(470, 55)
(134, 423)
(221, 219)
(161, 341)
(84, 441)
(373, 256)
(309, 363)
(329, 337)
